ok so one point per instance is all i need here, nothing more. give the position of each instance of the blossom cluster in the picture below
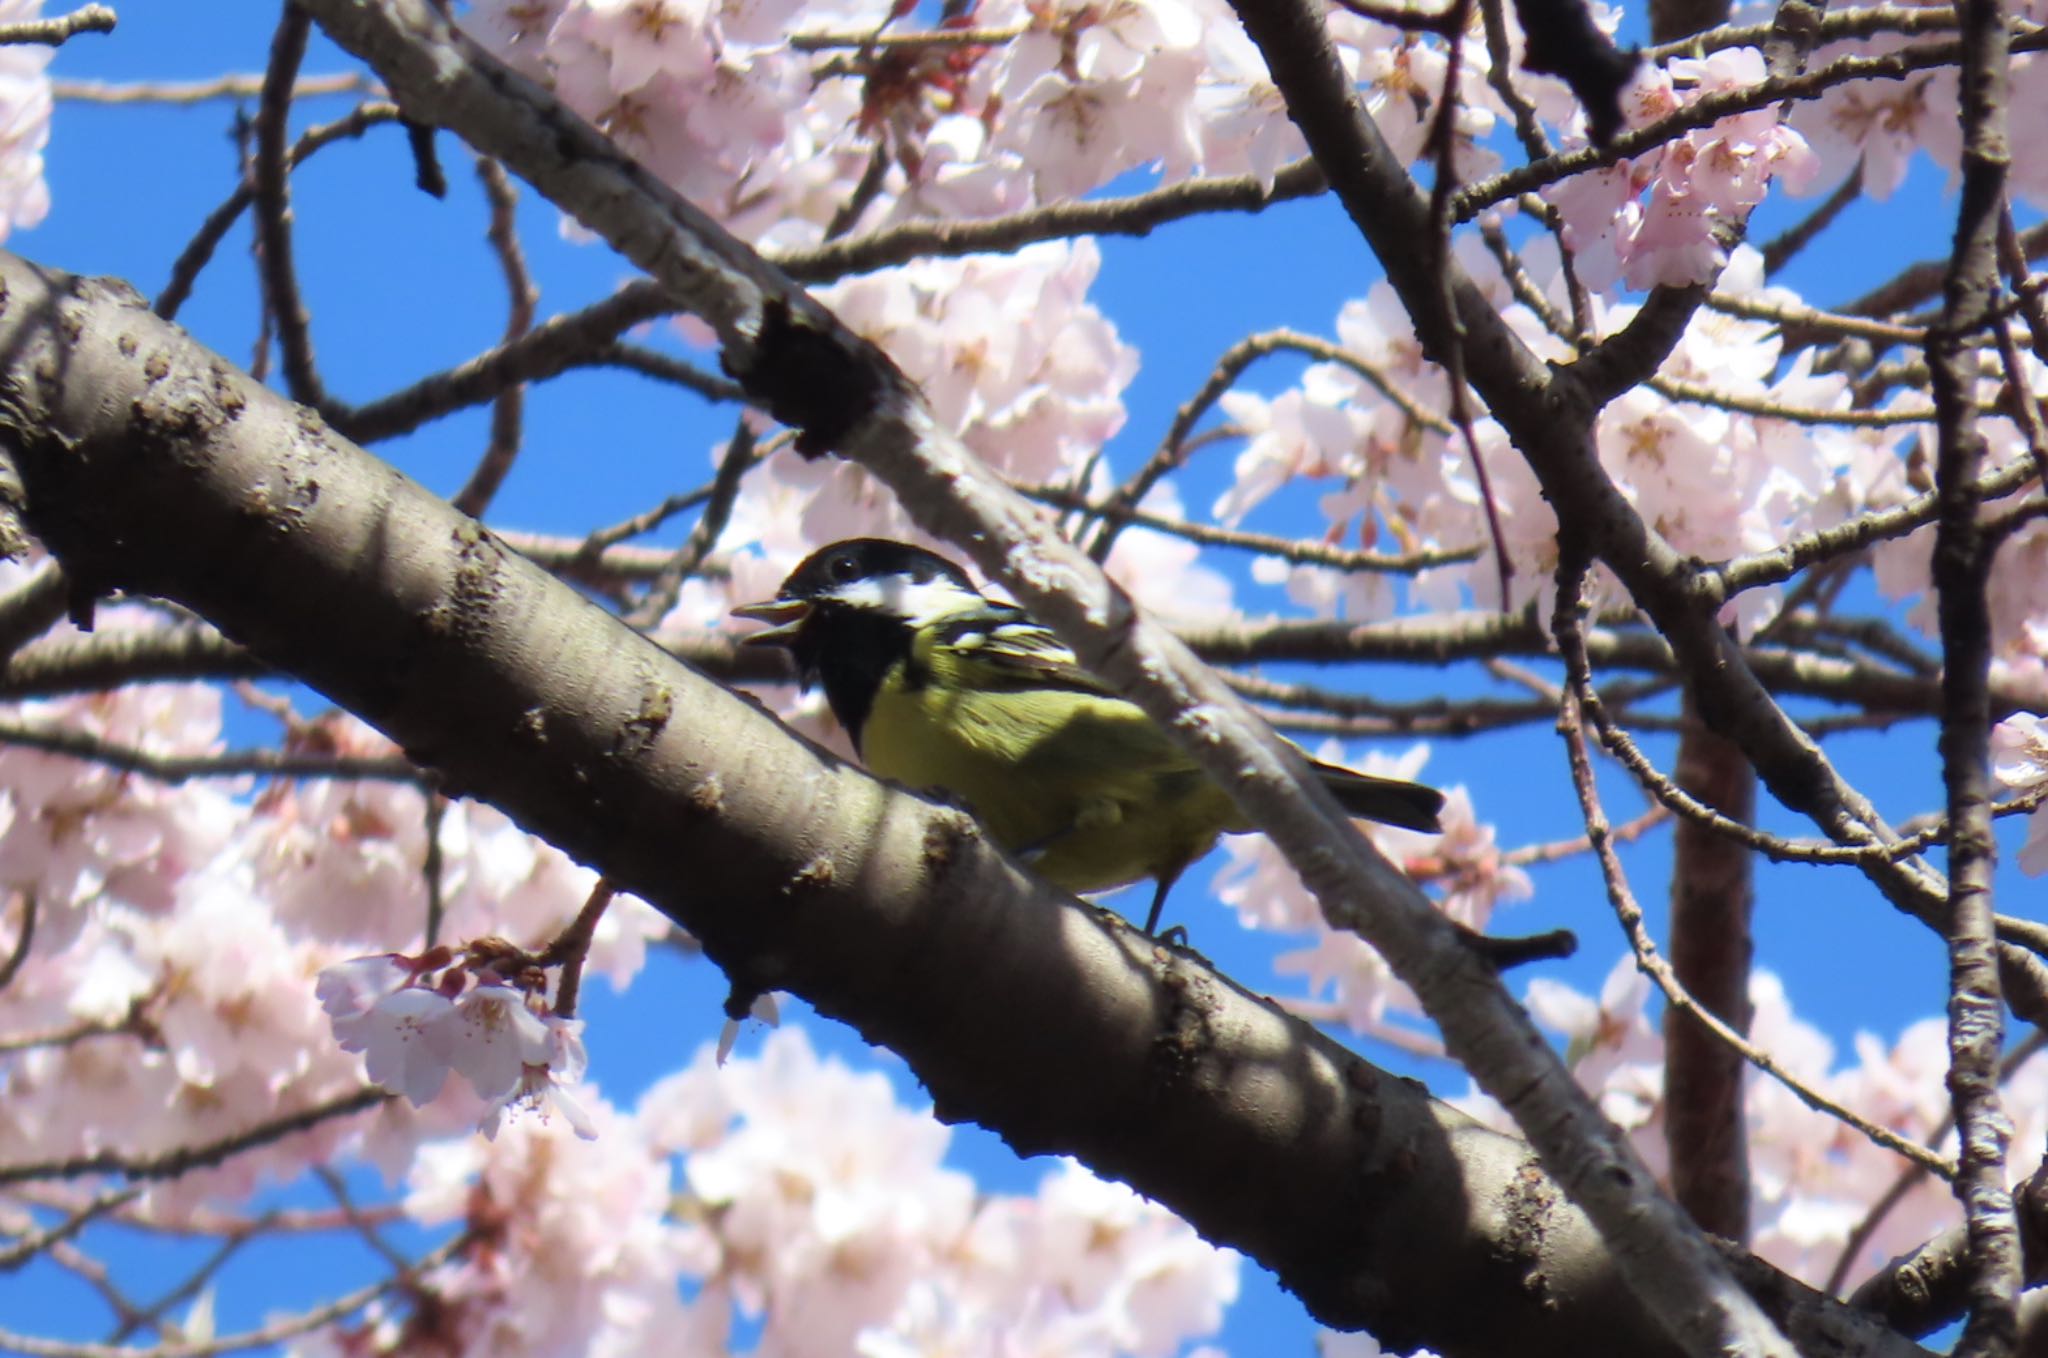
(416, 1020)
(179, 929)
(770, 114)
(1344, 979)
(1014, 357)
(1820, 1189)
(1875, 127)
(1662, 218)
(1713, 480)
(789, 1191)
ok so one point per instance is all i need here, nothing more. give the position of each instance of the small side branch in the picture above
(271, 184)
(56, 32)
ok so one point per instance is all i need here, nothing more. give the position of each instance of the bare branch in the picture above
(271, 186)
(182, 1160)
(195, 256)
(276, 1332)
(1961, 571)
(508, 408)
(56, 32)
(1566, 621)
(200, 91)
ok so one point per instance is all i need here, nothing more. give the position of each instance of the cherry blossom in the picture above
(823, 1204)
(24, 123)
(2019, 752)
(1879, 124)
(1699, 186)
(1344, 979)
(415, 1020)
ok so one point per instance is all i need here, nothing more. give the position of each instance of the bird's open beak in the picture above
(787, 614)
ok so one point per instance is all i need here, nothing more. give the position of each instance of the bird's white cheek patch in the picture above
(919, 600)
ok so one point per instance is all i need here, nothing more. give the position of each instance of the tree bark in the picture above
(1711, 898)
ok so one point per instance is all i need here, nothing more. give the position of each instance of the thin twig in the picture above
(1171, 454)
(1860, 21)
(23, 939)
(180, 768)
(1710, 109)
(1136, 215)
(1567, 624)
(182, 1160)
(1551, 851)
(269, 1336)
(1819, 322)
(508, 409)
(1296, 551)
(362, 1223)
(1536, 146)
(200, 91)
(572, 945)
(1782, 248)
(36, 1242)
(285, 305)
(152, 1316)
(2012, 257)
(1442, 140)
(704, 534)
(1916, 283)
(130, 1024)
(1788, 558)
(196, 254)
(929, 37)
(555, 345)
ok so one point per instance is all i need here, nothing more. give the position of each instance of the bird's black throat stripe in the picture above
(864, 645)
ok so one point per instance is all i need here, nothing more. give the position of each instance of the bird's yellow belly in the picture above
(1087, 801)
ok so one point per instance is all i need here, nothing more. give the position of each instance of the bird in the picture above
(940, 687)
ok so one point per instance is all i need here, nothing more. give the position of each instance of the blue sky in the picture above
(397, 287)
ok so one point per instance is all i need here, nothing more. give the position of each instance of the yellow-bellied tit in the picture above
(941, 687)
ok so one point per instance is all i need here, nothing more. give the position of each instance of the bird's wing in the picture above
(1004, 649)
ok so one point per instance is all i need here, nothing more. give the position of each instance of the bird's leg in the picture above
(1167, 877)
(1158, 906)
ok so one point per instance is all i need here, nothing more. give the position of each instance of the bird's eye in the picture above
(843, 568)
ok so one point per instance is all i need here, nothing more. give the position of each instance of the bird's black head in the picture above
(848, 612)
(829, 571)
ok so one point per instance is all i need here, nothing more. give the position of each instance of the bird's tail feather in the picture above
(1389, 801)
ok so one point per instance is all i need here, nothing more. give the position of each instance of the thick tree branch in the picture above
(1963, 554)
(1711, 896)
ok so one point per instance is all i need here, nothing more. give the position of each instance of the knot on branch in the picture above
(812, 378)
